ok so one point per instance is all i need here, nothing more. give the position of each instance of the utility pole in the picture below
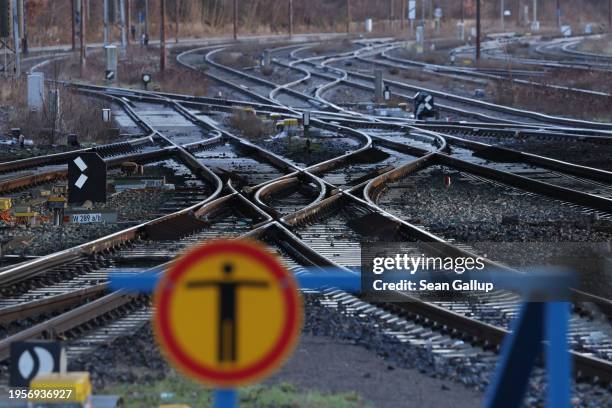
(503, 19)
(128, 19)
(105, 22)
(477, 30)
(390, 15)
(177, 9)
(146, 17)
(162, 35)
(16, 30)
(403, 14)
(290, 18)
(83, 38)
(348, 16)
(535, 10)
(73, 23)
(235, 20)
(558, 13)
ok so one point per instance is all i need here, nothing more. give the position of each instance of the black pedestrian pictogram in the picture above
(227, 328)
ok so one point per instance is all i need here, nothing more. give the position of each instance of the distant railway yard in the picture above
(313, 145)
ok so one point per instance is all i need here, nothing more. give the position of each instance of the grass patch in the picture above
(600, 46)
(137, 61)
(76, 113)
(178, 390)
(236, 59)
(249, 124)
(551, 101)
(332, 47)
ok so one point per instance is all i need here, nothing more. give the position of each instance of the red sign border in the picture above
(276, 356)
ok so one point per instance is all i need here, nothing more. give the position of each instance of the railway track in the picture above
(319, 67)
(310, 212)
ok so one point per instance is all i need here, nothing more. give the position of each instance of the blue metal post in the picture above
(558, 359)
(518, 355)
(225, 398)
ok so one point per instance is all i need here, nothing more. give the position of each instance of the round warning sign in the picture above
(227, 313)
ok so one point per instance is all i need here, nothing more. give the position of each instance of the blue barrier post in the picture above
(537, 322)
(225, 398)
(558, 362)
(518, 355)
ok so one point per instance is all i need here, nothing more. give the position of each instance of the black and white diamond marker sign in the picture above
(87, 179)
(30, 358)
(423, 105)
(82, 178)
(428, 102)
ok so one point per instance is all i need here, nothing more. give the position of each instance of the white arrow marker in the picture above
(82, 178)
(80, 163)
(81, 181)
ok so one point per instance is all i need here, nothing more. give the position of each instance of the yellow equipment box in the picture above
(57, 199)
(6, 203)
(26, 214)
(61, 388)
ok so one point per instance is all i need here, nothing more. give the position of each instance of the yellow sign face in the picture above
(227, 313)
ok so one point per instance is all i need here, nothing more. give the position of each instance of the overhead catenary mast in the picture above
(128, 19)
(106, 12)
(348, 16)
(290, 18)
(73, 23)
(123, 25)
(16, 30)
(477, 30)
(162, 35)
(83, 35)
(177, 10)
(235, 19)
